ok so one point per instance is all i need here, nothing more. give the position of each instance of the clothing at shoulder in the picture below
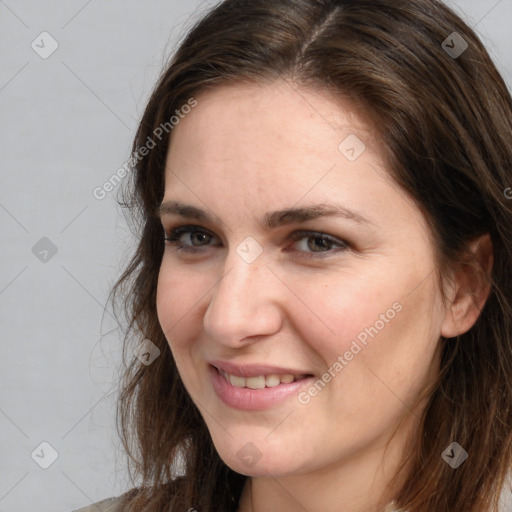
(107, 505)
(114, 505)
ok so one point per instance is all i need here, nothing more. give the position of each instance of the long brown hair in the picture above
(445, 120)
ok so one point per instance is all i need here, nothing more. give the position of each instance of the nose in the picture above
(245, 303)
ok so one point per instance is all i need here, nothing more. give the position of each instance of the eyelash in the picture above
(173, 239)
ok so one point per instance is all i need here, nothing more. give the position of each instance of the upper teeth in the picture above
(257, 382)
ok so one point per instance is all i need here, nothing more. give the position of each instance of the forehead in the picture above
(273, 127)
(274, 104)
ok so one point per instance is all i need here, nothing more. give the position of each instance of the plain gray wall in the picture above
(67, 122)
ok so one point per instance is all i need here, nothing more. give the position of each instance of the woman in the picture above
(323, 278)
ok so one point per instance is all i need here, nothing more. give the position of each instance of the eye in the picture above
(313, 242)
(310, 244)
(189, 238)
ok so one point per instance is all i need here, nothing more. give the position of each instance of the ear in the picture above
(471, 287)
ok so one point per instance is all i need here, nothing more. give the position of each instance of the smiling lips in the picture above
(260, 381)
(257, 387)
(257, 376)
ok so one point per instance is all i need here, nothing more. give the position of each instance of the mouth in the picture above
(270, 380)
(256, 387)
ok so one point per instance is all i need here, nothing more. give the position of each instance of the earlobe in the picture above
(472, 285)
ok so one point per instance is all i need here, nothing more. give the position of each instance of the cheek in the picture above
(343, 310)
(178, 302)
(177, 298)
(376, 339)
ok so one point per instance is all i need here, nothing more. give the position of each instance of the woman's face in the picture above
(305, 259)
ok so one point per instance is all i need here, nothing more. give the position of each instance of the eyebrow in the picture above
(272, 219)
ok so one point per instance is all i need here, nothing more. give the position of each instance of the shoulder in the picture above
(107, 505)
(119, 503)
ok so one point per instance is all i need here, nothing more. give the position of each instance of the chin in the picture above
(252, 459)
(263, 468)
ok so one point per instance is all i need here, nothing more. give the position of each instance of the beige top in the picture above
(113, 505)
(107, 505)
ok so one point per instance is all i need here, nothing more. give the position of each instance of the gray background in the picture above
(67, 123)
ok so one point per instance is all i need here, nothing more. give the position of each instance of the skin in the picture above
(247, 150)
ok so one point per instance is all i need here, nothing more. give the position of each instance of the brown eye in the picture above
(189, 238)
(199, 238)
(311, 243)
(319, 243)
